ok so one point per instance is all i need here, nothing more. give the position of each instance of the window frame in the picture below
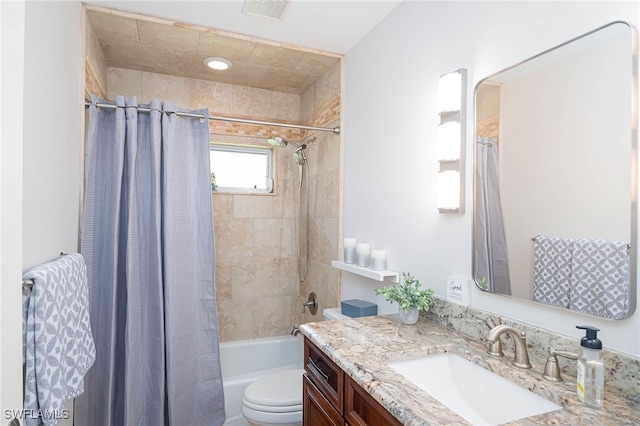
(268, 152)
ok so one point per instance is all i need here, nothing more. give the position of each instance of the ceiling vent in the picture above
(272, 9)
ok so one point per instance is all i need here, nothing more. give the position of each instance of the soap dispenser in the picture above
(590, 377)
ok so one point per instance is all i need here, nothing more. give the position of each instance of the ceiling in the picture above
(174, 37)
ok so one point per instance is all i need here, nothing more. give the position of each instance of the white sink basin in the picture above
(474, 393)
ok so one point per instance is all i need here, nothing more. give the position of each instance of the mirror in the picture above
(554, 177)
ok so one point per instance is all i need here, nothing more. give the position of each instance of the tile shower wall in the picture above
(258, 291)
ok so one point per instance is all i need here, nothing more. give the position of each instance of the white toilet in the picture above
(276, 399)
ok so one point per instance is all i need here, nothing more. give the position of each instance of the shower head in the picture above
(277, 141)
(299, 156)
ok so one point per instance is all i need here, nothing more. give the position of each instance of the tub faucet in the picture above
(521, 357)
(295, 330)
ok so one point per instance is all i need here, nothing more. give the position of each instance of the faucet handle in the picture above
(312, 303)
(552, 367)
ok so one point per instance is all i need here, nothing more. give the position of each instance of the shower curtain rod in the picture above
(335, 130)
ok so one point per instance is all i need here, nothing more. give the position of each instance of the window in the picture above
(241, 168)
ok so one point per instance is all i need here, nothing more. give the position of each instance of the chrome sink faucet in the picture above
(521, 357)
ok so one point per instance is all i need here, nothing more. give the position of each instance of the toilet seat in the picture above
(277, 390)
(275, 399)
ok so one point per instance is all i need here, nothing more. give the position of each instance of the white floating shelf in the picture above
(366, 272)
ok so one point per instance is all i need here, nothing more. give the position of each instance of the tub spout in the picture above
(295, 330)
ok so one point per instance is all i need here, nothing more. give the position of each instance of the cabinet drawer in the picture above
(325, 374)
(317, 411)
(361, 409)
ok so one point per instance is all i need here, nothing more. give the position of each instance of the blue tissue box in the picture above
(358, 308)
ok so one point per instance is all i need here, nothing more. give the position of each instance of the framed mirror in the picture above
(554, 176)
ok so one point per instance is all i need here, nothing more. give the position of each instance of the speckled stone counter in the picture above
(363, 346)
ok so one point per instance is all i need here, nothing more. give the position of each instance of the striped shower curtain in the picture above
(147, 238)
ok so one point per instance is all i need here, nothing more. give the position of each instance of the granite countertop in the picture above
(363, 346)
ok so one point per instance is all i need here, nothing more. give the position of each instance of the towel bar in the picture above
(534, 238)
(29, 283)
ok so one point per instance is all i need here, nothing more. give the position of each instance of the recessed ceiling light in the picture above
(217, 63)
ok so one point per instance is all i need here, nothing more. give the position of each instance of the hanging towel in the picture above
(552, 270)
(58, 344)
(600, 278)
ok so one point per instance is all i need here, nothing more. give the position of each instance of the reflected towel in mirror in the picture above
(552, 270)
(600, 278)
(585, 275)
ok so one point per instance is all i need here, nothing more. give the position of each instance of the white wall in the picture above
(390, 129)
(53, 99)
(47, 134)
(12, 17)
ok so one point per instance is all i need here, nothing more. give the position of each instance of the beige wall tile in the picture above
(308, 102)
(270, 319)
(235, 320)
(234, 238)
(222, 205)
(262, 277)
(224, 276)
(257, 286)
(254, 206)
(324, 242)
(165, 87)
(325, 197)
(94, 55)
(264, 103)
(274, 237)
(127, 83)
(283, 204)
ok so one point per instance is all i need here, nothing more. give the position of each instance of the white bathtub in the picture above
(245, 361)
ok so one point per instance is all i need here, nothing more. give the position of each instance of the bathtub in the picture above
(245, 361)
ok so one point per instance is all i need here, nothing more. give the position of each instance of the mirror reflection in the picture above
(554, 217)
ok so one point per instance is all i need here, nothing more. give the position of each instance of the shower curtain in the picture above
(490, 259)
(147, 239)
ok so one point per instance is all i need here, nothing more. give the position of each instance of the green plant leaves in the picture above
(407, 294)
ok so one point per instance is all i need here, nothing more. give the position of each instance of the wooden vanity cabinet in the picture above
(332, 398)
(316, 409)
(361, 409)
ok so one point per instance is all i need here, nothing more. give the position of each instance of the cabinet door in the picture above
(361, 409)
(325, 374)
(316, 410)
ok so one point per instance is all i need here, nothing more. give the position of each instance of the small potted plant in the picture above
(409, 297)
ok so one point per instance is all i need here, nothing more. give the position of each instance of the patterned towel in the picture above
(552, 270)
(600, 278)
(58, 345)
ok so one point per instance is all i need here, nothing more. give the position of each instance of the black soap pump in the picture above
(590, 375)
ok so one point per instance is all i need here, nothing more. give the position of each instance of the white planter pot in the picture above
(411, 317)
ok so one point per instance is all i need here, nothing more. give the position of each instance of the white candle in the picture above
(378, 260)
(363, 254)
(349, 246)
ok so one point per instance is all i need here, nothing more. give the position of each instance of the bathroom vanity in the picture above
(331, 397)
(349, 380)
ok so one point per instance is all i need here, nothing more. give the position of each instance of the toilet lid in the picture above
(282, 389)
